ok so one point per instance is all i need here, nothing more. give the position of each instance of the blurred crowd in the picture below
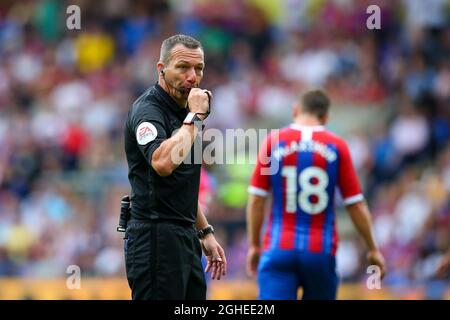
(64, 95)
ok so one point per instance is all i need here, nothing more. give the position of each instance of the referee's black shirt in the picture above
(152, 119)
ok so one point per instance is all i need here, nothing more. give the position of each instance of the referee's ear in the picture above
(160, 67)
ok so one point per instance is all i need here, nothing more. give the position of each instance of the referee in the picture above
(167, 230)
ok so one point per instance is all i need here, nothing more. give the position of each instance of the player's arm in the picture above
(444, 265)
(215, 255)
(172, 151)
(356, 206)
(360, 215)
(258, 193)
(255, 219)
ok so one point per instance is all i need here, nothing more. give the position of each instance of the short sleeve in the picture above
(148, 129)
(260, 179)
(347, 179)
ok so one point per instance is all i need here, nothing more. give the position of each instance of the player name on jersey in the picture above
(305, 146)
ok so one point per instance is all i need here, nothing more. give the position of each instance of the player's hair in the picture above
(168, 44)
(315, 102)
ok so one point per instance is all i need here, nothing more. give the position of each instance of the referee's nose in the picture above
(191, 76)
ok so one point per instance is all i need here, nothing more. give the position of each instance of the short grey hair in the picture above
(168, 44)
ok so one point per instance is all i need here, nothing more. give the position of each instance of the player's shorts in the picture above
(282, 272)
(163, 261)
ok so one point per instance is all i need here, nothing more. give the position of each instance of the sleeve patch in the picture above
(145, 133)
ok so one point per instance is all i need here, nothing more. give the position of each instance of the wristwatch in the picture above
(191, 118)
(202, 233)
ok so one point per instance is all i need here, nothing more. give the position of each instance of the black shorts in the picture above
(163, 261)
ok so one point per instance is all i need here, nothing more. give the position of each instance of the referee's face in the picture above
(183, 72)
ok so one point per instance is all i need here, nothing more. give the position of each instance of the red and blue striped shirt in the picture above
(302, 166)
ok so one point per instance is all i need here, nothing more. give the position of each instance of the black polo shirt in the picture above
(153, 118)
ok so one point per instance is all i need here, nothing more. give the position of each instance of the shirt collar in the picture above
(311, 128)
(170, 102)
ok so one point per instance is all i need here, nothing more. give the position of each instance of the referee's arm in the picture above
(215, 255)
(172, 152)
(201, 222)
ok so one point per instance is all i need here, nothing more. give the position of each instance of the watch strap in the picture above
(191, 118)
(202, 233)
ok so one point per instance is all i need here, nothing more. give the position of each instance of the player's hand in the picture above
(253, 260)
(198, 101)
(374, 257)
(444, 266)
(215, 257)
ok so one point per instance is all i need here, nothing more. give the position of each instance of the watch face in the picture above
(190, 116)
(209, 229)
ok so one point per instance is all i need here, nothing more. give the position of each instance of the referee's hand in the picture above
(199, 100)
(215, 256)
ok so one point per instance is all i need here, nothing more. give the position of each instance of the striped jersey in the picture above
(301, 166)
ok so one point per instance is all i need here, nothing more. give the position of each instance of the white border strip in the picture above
(312, 128)
(353, 199)
(258, 191)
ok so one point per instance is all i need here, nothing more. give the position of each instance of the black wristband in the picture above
(202, 233)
